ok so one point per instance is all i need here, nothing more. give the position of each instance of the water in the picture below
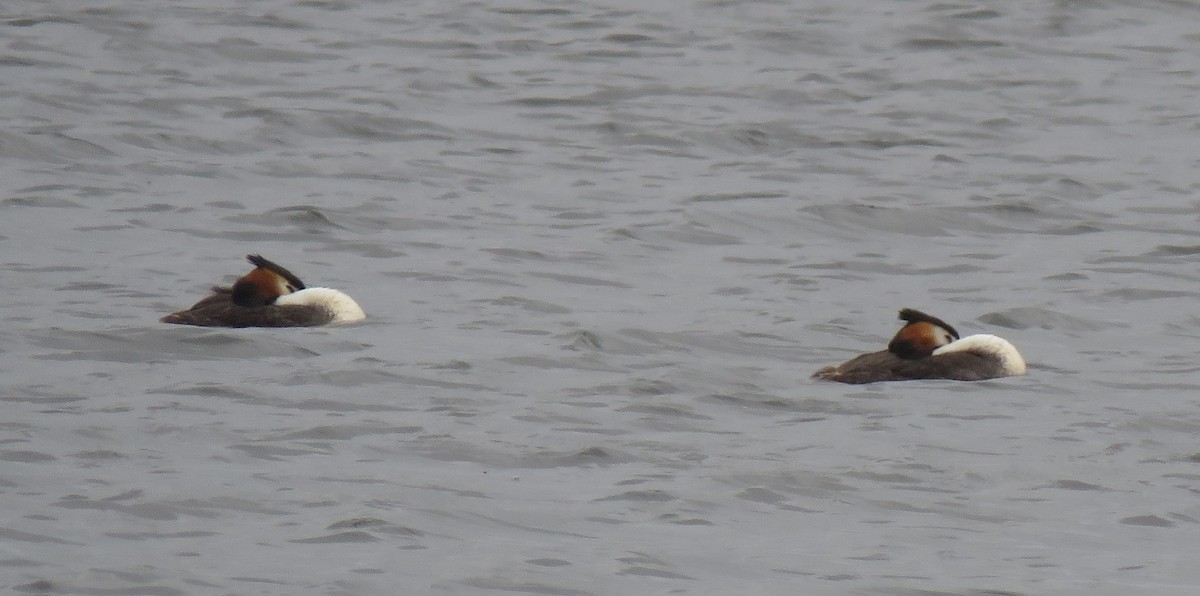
(602, 246)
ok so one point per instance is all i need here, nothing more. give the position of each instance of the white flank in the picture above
(993, 345)
(343, 307)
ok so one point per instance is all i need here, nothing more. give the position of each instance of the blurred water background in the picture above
(602, 245)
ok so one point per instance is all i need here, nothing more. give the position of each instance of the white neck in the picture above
(1010, 359)
(343, 307)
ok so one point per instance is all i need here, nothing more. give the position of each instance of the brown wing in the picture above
(220, 295)
(221, 298)
(958, 366)
(219, 310)
(886, 366)
(290, 315)
(867, 368)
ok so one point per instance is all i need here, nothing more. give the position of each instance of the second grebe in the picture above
(269, 296)
(928, 348)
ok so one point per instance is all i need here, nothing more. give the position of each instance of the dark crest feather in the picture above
(913, 315)
(259, 261)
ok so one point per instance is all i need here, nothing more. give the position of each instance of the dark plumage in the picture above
(251, 302)
(886, 366)
(219, 310)
(927, 347)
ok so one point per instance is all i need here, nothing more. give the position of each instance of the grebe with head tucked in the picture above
(928, 348)
(269, 296)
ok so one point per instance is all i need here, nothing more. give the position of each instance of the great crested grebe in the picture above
(269, 296)
(928, 348)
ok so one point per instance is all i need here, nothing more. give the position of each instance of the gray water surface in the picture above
(602, 245)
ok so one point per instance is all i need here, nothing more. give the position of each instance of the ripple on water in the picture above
(602, 248)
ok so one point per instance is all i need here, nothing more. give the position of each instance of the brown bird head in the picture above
(266, 282)
(920, 336)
